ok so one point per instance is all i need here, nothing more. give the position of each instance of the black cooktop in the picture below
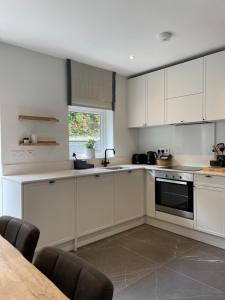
(183, 168)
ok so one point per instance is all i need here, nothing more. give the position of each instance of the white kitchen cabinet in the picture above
(184, 109)
(50, 206)
(210, 210)
(215, 87)
(95, 203)
(129, 195)
(150, 193)
(137, 101)
(156, 98)
(185, 79)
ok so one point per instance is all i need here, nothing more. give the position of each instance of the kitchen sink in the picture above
(116, 168)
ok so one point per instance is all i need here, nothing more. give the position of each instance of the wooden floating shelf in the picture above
(40, 143)
(37, 118)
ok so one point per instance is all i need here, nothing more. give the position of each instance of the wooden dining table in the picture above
(19, 279)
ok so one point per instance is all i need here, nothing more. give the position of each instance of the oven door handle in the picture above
(171, 181)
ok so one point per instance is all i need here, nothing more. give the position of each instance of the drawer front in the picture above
(209, 180)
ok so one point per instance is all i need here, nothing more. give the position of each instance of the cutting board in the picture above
(213, 170)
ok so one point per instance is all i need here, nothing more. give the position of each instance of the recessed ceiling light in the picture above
(164, 36)
(131, 57)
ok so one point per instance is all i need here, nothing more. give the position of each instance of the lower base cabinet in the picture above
(210, 210)
(50, 206)
(129, 195)
(95, 203)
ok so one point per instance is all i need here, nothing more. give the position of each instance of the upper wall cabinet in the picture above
(146, 100)
(215, 86)
(185, 79)
(184, 92)
(155, 97)
(193, 91)
(137, 101)
(186, 109)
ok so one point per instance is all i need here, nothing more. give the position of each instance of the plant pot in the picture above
(90, 153)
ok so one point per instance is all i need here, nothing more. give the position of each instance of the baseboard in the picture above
(187, 232)
(102, 234)
(67, 245)
(178, 229)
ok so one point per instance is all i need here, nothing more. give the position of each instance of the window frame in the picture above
(103, 129)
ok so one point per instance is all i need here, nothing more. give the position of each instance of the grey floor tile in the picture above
(159, 237)
(203, 263)
(155, 244)
(165, 284)
(148, 263)
(120, 265)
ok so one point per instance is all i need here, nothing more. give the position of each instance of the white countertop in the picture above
(29, 178)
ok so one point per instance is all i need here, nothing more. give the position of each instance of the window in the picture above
(89, 123)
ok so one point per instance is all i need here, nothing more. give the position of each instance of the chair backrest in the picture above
(21, 234)
(73, 276)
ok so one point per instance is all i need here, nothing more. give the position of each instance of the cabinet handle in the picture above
(51, 181)
(208, 176)
(182, 121)
(97, 175)
(203, 119)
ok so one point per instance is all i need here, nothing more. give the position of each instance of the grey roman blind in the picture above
(90, 86)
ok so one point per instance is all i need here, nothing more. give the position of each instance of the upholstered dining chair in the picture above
(21, 234)
(73, 276)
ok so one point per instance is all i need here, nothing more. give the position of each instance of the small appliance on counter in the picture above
(80, 164)
(220, 157)
(139, 159)
(151, 158)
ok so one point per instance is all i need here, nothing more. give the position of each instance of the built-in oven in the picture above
(174, 193)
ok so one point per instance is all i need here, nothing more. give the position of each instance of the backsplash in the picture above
(189, 144)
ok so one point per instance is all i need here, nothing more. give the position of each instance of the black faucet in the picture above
(105, 162)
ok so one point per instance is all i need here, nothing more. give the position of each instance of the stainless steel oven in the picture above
(174, 193)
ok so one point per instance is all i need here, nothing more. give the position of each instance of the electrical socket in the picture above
(167, 151)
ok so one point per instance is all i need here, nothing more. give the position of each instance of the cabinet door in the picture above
(137, 101)
(155, 98)
(95, 199)
(215, 87)
(50, 205)
(209, 210)
(185, 79)
(150, 193)
(129, 195)
(184, 110)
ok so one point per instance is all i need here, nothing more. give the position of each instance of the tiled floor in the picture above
(147, 263)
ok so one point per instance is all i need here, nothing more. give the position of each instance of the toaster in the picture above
(139, 159)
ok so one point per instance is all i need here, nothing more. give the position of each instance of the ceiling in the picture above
(105, 32)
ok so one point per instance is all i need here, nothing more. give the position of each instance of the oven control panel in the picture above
(183, 176)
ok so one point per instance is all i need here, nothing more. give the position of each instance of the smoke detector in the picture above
(164, 36)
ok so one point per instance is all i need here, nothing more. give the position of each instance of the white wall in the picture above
(189, 144)
(35, 84)
(125, 140)
(31, 84)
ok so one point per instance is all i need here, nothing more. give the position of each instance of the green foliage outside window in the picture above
(84, 125)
